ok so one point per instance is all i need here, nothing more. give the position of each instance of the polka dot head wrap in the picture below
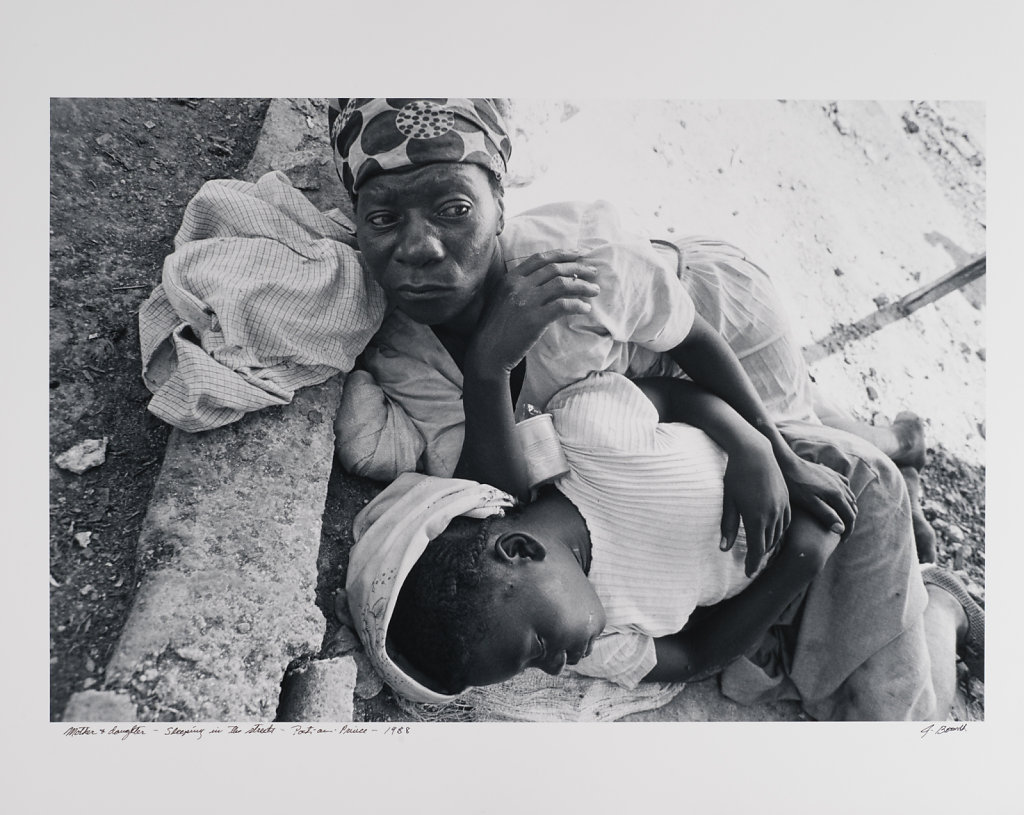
(371, 136)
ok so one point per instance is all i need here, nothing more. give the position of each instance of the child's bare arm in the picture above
(734, 626)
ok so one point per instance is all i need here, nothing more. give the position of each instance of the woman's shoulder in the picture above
(567, 225)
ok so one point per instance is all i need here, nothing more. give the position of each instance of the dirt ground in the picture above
(121, 173)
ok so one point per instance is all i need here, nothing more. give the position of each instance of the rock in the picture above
(106, 140)
(955, 534)
(881, 301)
(872, 393)
(318, 691)
(83, 539)
(981, 354)
(83, 456)
(368, 682)
(303, 168)
(99, 706)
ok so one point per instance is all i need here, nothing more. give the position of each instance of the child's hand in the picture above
(824, 493)
(755, 491)
(534, 294)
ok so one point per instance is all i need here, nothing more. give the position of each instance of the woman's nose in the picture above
(418, 243)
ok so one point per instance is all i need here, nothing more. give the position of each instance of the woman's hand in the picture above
(533, 295)
(755, 491)
(824, 493)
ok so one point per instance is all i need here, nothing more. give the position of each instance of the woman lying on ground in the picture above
(614, 570)
(425, 177)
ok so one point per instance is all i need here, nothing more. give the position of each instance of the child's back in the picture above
(651, 495)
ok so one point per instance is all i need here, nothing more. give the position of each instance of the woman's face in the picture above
(429, 237)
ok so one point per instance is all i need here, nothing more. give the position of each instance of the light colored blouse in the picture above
(651, 496)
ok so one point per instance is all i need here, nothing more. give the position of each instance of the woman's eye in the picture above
(380, 219)
(455, 210)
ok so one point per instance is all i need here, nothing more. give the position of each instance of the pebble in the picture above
(83, 539)
(955, 533)
(872, 393)
(83, 456)
(106, 140)
(368, 682)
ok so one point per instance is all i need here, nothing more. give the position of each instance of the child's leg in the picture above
(931, 645)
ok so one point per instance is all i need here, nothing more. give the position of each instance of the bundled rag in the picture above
(263, 295)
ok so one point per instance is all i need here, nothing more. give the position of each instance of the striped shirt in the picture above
(651, 495)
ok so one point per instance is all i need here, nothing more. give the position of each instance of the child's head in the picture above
(489, 598)
(442, 606)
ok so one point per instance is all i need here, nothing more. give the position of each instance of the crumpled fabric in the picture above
(263, 295)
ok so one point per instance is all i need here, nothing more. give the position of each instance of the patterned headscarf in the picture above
(391, 532)
(371, 136)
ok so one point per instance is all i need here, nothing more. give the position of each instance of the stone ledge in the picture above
(228, 557)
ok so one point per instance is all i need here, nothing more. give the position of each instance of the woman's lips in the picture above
(421, 292)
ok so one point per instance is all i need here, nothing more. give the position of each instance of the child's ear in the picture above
(512, 546)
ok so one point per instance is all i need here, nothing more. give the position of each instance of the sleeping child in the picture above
(617, 571)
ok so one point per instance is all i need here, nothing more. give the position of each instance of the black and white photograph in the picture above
(331, 313)
(622, 421)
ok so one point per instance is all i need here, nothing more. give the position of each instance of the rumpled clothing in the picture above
(263, 295)
(853, 646)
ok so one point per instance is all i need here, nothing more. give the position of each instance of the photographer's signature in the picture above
(939, 729)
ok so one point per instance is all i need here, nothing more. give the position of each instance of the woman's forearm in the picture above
(710, 362)
(491, 453)
(678, 400)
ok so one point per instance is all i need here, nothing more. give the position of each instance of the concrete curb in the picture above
(228, 555)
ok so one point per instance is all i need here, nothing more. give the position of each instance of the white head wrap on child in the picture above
(391, 532)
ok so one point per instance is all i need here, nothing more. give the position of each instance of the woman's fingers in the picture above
(730, 525)
(755, 548)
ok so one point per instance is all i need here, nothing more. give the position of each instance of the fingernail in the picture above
(838, 528)
(724, 545)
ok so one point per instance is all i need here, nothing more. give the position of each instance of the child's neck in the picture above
(561, 515)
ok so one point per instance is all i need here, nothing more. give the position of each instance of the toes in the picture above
(909, 430)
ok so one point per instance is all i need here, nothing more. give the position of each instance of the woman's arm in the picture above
(754, 488)
(731, 628)
(711, 363)
(543, 288)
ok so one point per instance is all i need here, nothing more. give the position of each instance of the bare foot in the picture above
(924, 535)
(908, 429)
